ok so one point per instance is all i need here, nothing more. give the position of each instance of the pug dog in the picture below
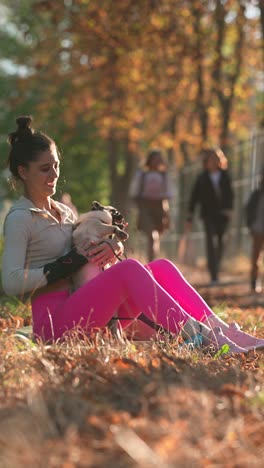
(98, 224)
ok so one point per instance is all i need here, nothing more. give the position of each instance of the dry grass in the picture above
(114, 403)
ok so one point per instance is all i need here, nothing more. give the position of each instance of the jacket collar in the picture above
(24, 203)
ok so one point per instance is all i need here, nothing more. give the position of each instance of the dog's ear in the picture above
(96, 206)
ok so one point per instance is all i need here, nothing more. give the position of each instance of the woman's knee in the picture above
(165, 267)
(163, 263)
(128, 265)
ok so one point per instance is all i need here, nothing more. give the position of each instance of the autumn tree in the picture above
(109, 80)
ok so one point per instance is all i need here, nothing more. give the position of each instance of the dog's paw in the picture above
(120, 234)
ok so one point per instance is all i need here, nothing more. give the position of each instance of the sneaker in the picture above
(244, 339)
(195, 341)
(218, 339)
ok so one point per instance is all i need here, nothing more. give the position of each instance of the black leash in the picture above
(155, 326)
(158, 328)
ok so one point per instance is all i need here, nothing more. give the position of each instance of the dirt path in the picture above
(233, 289)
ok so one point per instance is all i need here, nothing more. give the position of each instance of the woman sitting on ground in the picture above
(38, 261)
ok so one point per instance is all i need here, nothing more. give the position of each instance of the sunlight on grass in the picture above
(116, 392)
(222, 311)
(57, 397)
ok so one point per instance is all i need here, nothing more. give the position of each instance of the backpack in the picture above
(152, 185)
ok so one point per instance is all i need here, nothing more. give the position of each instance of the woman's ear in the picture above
(22, 172)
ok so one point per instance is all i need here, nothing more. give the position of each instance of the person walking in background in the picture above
(213, 192)
(151, 190)
(255, 223)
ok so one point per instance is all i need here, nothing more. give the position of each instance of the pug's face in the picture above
(117, 217)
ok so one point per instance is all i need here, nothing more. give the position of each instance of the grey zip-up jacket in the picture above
(32, 238)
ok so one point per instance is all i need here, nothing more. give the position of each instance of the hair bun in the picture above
(24, 130)
(24, 121)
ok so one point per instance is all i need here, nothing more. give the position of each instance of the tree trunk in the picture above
(200, 98)
(220, 84)
(120, 182)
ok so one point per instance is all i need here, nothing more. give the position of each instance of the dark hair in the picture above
(218, 153)
(151, 155)
(25, 145)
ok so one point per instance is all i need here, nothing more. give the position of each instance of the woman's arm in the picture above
(135, 185)
(169, 187)
(17, 278)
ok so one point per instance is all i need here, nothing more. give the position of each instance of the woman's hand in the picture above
(105, 252)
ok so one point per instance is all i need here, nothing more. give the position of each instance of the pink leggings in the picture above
(126, 290)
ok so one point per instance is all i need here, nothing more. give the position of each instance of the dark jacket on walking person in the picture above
(213, 193)
(255, 223)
